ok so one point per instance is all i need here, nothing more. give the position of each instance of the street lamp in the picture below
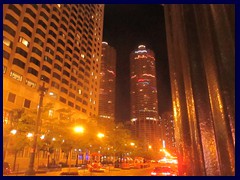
(79, 129)
(100, 135)
(31, 170)
(12, 132)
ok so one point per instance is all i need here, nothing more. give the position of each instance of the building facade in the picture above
(107, 83)
(144, 102)
(167, 129)
(58, 44)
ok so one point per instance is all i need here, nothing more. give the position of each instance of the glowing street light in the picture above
(29, 135)
(149, 147)
(79, 129)
(42, 137)
(14, 131)
(100, 135)
(132, 144)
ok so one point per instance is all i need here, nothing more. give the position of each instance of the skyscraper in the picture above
(56, 44)
(144, 102)
(59, 44)
(167, 129)
(107, 83)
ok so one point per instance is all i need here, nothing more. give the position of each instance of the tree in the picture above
(22, 121)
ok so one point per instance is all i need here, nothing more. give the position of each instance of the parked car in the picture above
(6, 168)
(163, 171)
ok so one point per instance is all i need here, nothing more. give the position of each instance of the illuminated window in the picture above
(50, 113)
(7, 42)
(30, 83)
(79, 91)
(16, 76)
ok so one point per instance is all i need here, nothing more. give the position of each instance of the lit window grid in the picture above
(26, 38)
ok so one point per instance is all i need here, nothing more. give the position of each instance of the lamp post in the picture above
(77, 129)
(31, 170)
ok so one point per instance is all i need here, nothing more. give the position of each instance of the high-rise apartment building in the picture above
(59, 44)
(107, 83)
(167, 129)
(144, 102)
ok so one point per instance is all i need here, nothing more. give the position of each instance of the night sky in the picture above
(126, 27)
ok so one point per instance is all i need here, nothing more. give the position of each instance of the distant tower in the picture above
(144, 103)
(107, 83)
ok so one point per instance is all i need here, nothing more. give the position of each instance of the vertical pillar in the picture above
(202, 79)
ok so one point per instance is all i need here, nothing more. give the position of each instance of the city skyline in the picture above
(51, 92)
(125, 36)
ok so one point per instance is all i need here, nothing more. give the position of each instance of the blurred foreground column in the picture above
(201, 50)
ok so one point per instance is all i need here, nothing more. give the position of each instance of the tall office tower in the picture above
(167, 129)
(144, 102)
(59, 44)
(107, 83)
(201, 49)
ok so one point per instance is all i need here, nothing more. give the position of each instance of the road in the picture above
(107, 172)
(115, 172)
